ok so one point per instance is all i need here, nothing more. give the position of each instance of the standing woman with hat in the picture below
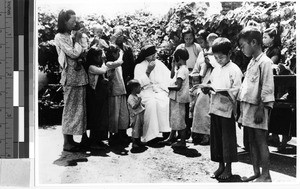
(154, 78)
(73, 81)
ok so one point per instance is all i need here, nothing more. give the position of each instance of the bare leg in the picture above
(264, 156)
(170, 139)
(253, 154)
(227, 173)
(181, 143)
(219, 171)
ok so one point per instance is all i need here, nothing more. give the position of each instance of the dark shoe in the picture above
(99, 146)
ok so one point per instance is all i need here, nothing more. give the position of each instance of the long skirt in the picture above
(156, 117)
(201, 118)
(74, 112)
(118, 114)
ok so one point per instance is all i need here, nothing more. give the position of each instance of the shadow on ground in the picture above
(71, 158)
(188, 152)
(287, 163)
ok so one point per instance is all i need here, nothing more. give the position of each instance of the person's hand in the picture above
(206, 90)
(78, 36)
(259, 115)
(150, 67)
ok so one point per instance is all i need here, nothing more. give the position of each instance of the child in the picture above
(98, 34)
(256, 98)
(179, 96)
(208, 56)
(84, 42)
(225, 81)
(118, 110)
(200, 103)
(97, 100)
(136, 110)
(193, 48)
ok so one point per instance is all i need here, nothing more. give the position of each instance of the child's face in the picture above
(203, 43)
(98, 32)
(138, 89)
(221, 58)
(246, 47)
(188, 39)
(267, 40)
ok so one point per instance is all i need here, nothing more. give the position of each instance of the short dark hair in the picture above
(91, 58)
(250, 33)
(203, 34)
(221, 45)
(132, 84)
(109, 52)
(63, 17)
(181, 53)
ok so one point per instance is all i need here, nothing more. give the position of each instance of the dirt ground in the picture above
(156, 164)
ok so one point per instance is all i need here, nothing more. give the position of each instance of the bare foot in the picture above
(263, 179)
(225, 175)
(218, 172)
(247, 179)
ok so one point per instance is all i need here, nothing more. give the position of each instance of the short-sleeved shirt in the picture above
(181, 96)
(133, 101)
(193, 51)
(227, 77)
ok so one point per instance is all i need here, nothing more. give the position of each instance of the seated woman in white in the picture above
(154, 78)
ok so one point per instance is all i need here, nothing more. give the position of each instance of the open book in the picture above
(221, 91)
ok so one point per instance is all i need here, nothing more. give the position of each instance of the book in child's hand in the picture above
(173, 87)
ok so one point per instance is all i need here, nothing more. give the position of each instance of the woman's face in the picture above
(267, 40)
(151, 57)
(188, 39)
(70, 24)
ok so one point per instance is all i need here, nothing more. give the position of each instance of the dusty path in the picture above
(154, 165)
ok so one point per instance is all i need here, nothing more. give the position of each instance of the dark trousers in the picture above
(223, 145)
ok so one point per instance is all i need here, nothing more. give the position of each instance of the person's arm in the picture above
(178, 85)
(267, 90)
(65, 44)
(96, 70)
(140, 75)
(275, 59)
(116, 63)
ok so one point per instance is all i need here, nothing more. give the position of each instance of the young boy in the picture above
(225, 83)
(179, 97)
(256, 96)
(136, 110)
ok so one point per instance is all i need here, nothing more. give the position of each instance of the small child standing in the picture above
(225, 83)
(256, 98)
(118, 110)
(179, 97)
(136, 111)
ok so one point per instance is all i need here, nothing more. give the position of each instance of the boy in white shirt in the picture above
(225, 83)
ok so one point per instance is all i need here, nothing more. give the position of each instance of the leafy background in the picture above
(143, 27)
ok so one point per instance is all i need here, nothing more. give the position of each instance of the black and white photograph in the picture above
(165, 92)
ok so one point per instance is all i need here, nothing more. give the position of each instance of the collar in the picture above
(258, 57)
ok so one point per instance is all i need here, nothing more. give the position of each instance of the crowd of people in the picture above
(107, 90)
